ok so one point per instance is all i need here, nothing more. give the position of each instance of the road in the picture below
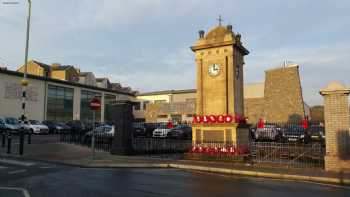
(44, 179)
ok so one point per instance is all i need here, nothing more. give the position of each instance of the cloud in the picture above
(145, 44)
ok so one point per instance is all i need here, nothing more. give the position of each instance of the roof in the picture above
(44, 66)
(65, 67)
(219, 32)
(168, 92)
(220, 36)
(85, 73)
(19, 74)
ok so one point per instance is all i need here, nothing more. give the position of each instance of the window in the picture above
(86, 114)
(137, 106)
(145, 103)
(190, 100)
(60, 103)
(189, 115)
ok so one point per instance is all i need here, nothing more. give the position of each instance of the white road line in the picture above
(3, 167)
(46, 167)
(20, 163)
(24, 191)
(17, 171)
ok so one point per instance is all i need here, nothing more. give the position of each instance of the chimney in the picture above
(201, 34)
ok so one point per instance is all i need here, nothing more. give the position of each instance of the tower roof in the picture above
(219, 36)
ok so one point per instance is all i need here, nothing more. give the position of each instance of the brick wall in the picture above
(283, 95)
(253, 109)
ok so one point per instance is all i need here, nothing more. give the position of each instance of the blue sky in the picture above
(145, 43)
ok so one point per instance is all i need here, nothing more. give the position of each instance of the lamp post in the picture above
(24, 81)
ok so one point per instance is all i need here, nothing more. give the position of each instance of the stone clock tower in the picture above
(219, 62)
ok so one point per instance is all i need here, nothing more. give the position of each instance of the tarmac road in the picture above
(32, 178)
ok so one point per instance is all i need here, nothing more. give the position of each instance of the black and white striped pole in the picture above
(24, 81)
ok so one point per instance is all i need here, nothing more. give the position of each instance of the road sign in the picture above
(95, 104)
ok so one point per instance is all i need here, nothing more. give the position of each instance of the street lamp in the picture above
(24, 81)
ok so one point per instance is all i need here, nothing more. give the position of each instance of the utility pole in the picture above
(24, 81)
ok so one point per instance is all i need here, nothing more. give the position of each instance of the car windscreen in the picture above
(34, 122)
(11, 121)
(2, 121)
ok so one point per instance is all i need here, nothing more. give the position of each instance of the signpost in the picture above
(95, 105)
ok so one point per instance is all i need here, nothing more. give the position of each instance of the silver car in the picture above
(268, 132)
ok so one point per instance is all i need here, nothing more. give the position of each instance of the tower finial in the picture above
(220, 20)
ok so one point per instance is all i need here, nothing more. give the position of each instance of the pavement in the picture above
(47, 150)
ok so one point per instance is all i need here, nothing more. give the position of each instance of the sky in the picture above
(145, 44)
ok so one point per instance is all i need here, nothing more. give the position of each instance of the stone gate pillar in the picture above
(336, 113)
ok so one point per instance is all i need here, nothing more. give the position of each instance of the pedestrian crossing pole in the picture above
(24, 81)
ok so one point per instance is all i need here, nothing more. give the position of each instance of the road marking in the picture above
(24, 191)
(17, 171)
(3, 167)
(20, 163)
(46, 167)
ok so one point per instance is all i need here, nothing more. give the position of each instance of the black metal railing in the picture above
(103, 141)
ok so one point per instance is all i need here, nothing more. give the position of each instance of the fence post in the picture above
(336, 113)
(9, 141)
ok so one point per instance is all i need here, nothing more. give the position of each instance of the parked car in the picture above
(317, 133)
(139, 130)
(2, 125)
(36, 127)
(180, 132)
(104, 132)
(56, 127)
(77, 126)
(296, 133)
(268, 132)
(161, 132)
(11, 125)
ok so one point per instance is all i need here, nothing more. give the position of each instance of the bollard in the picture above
(9, 139)
(29, 137)
(21, 141)
(3, 139)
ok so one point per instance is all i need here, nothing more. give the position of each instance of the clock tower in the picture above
(219, 57)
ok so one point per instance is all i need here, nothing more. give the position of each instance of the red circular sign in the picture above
(212, 119)
(228, 118)
(95, 104)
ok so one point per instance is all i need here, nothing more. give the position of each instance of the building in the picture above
(103, 83)
(178, 105)
(277, 99)
(54, 99)
(36, 68)
(64, 72)
(55, 71)
(87, 78)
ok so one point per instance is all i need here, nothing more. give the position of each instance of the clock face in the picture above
(214, 70)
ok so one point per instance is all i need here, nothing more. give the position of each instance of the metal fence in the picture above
(103, 141)
(160, 146)
(290, 155)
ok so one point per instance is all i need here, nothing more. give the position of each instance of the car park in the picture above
(11, 125)
(36, 127)
(77, 126)
(56, 127)
(103, 132)
(295, 133)
(161, 132)
(268, 132)
(180, 132)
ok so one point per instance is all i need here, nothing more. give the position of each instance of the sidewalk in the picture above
(81, 156)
